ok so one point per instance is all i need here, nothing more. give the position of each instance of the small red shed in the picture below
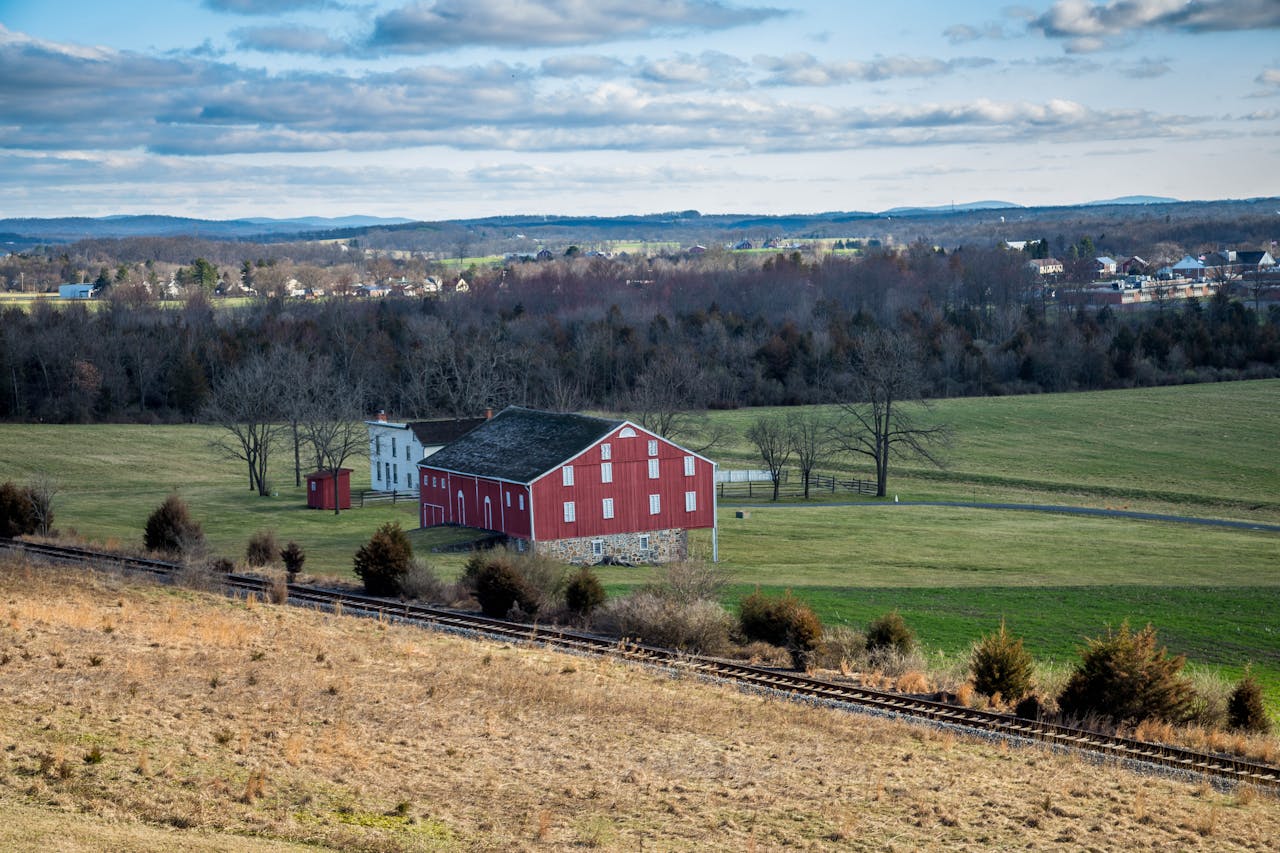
(327, 488)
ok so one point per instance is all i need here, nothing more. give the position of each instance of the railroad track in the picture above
(792, 685)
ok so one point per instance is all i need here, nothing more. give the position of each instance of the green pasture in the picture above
(1208, 450)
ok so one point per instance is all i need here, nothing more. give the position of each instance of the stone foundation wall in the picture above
(664, 547)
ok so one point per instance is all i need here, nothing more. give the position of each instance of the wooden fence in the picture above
(788, 488)
(371, 498)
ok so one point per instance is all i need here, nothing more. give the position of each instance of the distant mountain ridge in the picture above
(1133, 199)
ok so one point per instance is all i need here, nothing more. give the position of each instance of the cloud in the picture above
(1269, 77)
(583, 65)
(61, 98)
(267, 7)
(436, 25)
(1088, 26)
(1145, 69)
(963, 33)
(289, 39)
(803, 69)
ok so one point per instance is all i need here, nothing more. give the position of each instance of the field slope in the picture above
(165, 719)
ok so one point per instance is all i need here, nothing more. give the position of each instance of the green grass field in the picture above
(1207, 450)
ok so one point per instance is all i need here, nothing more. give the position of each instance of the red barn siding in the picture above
(460, 499)
(630, 491)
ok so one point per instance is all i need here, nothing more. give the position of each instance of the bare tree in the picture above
(772, 438)
(42, 489)
(811, 442)
(877, 418)
(245, 403)
(332, 424)
(661, 403)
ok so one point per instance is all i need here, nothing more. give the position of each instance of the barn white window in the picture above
(606, 472)
(520, 497)
(690, 501)
(570, 513)
(627, 432)
(606, 507)
(688, 466)
(606, 451)
(566, 474)
(433, 482)
(644, 542)
(653, 469)
(508, 499)
(653, 447)
(597, 547)
(655, 504)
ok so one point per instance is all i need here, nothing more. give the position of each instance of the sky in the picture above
(445, 109)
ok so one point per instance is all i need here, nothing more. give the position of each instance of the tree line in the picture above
(582, 333)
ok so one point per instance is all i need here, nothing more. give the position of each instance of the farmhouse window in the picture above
(653, 469)
(569, 512)
(644, 541)
(406, 454)
(655, 504)
(378, 470)
(597, 547)
(607, 507)
(566, 474)
(653, 447)
(395, 475)
(690, 501)
(393, 445)
(606, 451)
(377, 446)
(386, 471)
(688, 466)
(408, 481)
(606, 472)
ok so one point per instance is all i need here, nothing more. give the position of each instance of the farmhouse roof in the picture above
(520, 444)
(430, 433)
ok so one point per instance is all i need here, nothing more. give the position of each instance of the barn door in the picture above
(462, 509)
(488, 515)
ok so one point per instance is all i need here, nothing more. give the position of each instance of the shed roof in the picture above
(431, 433)
(520, 444)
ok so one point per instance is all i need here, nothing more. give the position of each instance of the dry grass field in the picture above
(139, 717)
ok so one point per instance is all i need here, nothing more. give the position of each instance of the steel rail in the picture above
(792, 685)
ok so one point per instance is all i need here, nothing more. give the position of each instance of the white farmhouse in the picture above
(396, 448)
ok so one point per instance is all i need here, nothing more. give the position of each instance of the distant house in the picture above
(1188, 267)
(394, 447)
(1133, 265)
(742, 245)
(75, 291)
(698, 250)
(544, 255)
(1104, 266)
(1254, 261)
(578, 488)
(1046, 266)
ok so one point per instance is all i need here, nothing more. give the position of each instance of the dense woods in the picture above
(645, 335)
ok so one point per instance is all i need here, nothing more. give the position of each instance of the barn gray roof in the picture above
(431, 433)
(521, 444)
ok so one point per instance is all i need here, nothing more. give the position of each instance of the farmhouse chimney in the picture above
(488, 413)
(382, 416)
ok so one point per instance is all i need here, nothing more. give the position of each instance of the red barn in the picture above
(324, 488)
(576, 487)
